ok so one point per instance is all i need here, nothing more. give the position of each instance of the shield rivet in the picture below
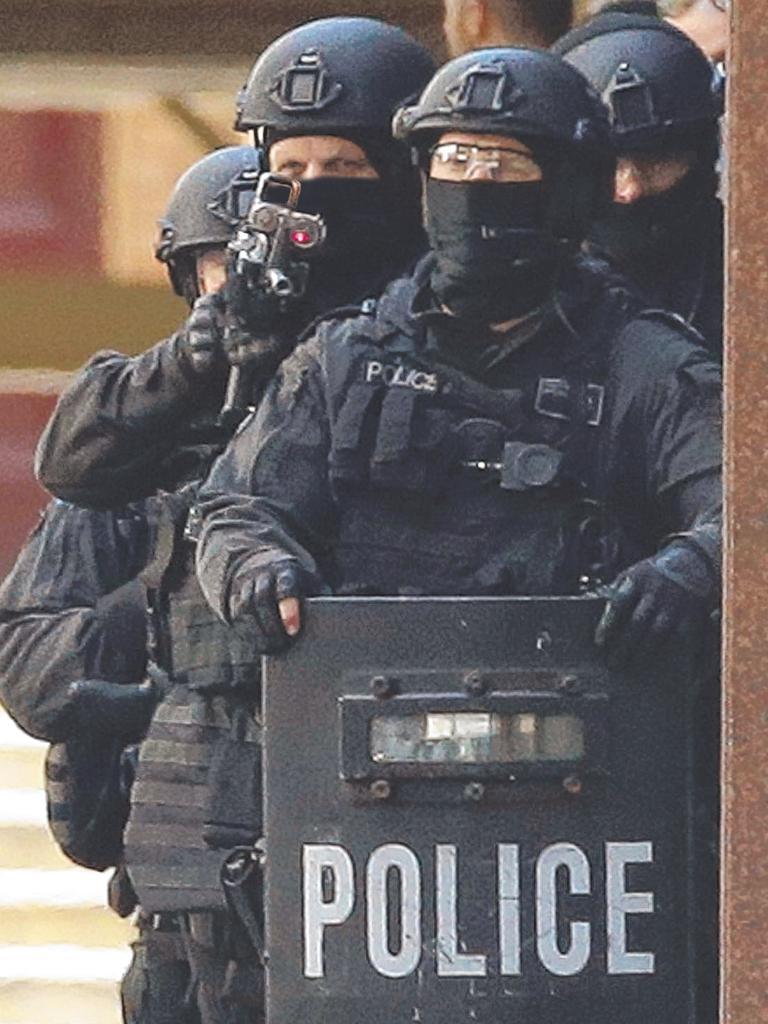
(543, 641)
(572, 784)
(380, 789)
(382, 687)
(474, 791)
(474, 684)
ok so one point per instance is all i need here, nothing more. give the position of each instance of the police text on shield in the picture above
(331, 905)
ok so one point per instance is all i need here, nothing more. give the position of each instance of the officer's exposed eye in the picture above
(341, 167)
(291, 168)
(320, 156)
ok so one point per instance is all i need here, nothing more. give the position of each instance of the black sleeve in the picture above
(665, 432)
(114, 425)
(71, 608)
(268, 496)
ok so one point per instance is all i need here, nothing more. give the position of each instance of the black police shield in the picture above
(469, 817)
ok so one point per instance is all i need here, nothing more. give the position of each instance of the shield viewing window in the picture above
(525, 734)
(476, 738)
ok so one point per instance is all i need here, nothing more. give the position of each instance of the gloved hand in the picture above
(271, 596)
(120, 709)
(653, 599)
(201, 340)
(259, 332)
(257, 312)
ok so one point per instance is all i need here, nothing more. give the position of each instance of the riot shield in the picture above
(470, 818)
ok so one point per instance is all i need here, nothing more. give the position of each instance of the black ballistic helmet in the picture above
(660, 88)
(335, 76)
(207, 202)
(538, 98)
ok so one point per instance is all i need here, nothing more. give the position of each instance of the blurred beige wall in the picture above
(145, 149)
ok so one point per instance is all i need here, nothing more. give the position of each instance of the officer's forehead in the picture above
(317, 147)
(485, 139)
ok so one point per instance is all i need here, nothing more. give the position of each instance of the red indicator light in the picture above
(301, 237)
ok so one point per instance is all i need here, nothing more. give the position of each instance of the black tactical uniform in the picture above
(198, 772)
(430, 453)
(74, 644)
(73, 667)
(127, 427)
(665, 99)
(68, 612)
(413, 473)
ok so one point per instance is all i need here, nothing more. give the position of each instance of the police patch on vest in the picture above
(397, 375)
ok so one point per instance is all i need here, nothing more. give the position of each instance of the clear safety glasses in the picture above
(456, 161)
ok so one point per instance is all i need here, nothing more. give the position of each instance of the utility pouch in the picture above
(412, 451)
(87, 808)
(233, 813)
(348, 458)
(209, 656)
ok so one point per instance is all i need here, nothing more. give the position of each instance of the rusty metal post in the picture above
(745, 748)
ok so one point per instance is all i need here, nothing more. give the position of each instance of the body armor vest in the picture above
(446, 485)
(198, 784)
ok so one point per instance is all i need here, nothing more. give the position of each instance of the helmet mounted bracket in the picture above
(485, 86)
(233, 202)
(630, 100)
(305, 85)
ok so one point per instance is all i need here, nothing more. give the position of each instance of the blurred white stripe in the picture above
(29, 887)
(62, 964)
(23, 807)
(12, 738)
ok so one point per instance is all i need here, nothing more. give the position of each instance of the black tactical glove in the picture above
(201, 341)
(259, 332)
(258, 594)
(655, 598)
(118, 709)
(257, 311)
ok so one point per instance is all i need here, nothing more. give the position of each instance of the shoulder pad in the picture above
(670, 319)
(366, 308)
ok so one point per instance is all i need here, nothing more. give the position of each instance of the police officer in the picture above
(473, 24)
(158, 415)
(665, 226)
(320, 101)
(469, 434)
(73, 640)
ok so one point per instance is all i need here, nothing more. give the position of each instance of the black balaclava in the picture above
(496, 256)
(649, 235)
(373, 225)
